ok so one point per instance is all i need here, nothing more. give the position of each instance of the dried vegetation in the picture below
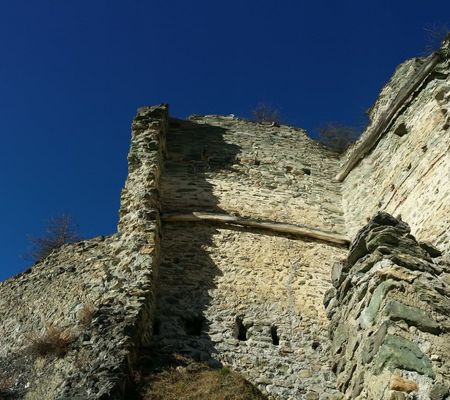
(196, 381)
(60, 230)
(337, 137)
(54, 341)
(263, 113)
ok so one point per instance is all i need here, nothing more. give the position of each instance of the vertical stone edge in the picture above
(140, 203)
(139, 216)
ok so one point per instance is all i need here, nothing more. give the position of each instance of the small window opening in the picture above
(240, 330)
(306, 171)
(274, 334)
(401, 130)
(156, 326)
(193, 326)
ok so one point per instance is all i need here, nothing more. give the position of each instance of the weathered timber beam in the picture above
(225, 219)
(379, 129)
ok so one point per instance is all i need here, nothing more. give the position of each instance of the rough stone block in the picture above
(411, 315)
(397, 352)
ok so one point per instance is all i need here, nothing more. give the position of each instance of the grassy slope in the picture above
(196, 381)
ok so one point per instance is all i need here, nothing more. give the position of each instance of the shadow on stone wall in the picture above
(187, 272)
(258, 321)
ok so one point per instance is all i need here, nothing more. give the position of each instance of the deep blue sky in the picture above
(72, 74)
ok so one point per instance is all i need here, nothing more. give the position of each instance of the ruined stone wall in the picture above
(390, 316)
(98, 292)
(407, 173)
(245, 298)
(252, 170)
(251, 298)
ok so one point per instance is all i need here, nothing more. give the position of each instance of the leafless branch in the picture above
(60, 230)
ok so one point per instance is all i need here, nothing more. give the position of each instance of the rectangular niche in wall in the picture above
(193, 326)
(156, 328)
(274, 335)
(240, 330)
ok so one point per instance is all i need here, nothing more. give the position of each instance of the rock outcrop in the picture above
(389, 311)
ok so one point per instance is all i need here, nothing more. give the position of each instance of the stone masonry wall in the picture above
(245, 298)
(408, 171)
(99, 292)
(389, 311)
(218, 163)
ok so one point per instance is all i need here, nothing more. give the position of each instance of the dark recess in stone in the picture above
(274, 334)
(307, 171)
(193, 326)
(240, 330)
(156, 327)
(401, 130)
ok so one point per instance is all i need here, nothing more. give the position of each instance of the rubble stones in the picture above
(393, 332)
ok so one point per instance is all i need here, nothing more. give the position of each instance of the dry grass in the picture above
(198, 382)
(54, 341)
(86, 314)
(6, 384)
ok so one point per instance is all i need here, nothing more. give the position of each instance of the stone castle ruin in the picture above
(249, 245)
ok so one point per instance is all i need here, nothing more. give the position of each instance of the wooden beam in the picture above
(379, 129)
(225, 219)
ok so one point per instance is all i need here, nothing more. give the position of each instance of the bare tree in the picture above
(60, 230)
(336, 136)
(265, 113)
(435, 35)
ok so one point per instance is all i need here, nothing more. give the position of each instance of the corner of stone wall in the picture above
(389, 312)
(140, 203)
(140, 224)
